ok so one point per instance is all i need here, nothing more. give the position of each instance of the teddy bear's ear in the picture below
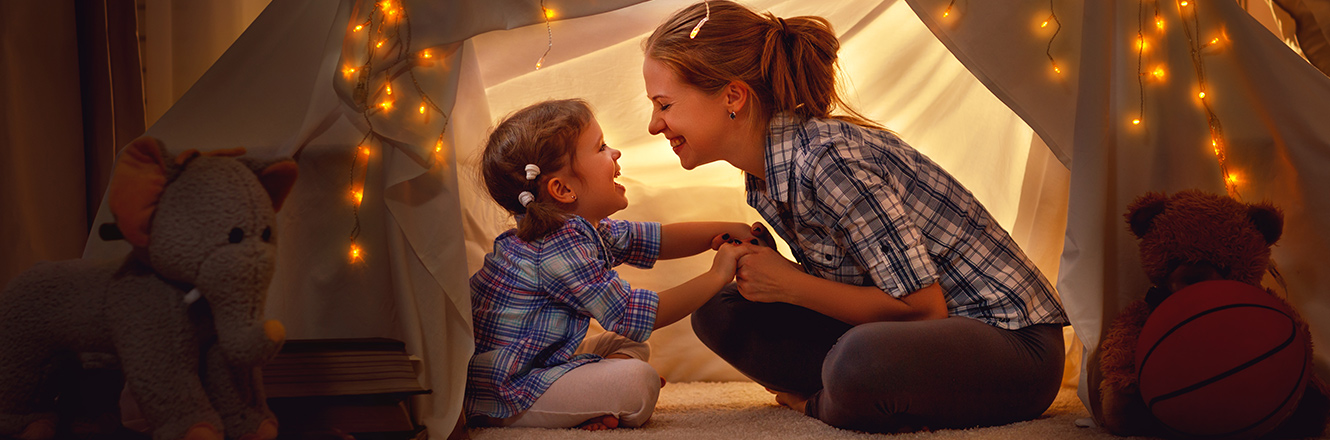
(1141, 213)
(1268, 219)
(278, 179)
(136, 186)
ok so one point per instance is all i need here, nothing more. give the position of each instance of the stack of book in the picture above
(343, 388)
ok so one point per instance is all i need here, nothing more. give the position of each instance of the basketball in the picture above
(1222, 359)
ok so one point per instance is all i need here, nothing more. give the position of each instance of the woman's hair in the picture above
(788, 64)
(544, 134)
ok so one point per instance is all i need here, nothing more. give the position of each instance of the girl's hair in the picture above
(544, 134)
(788, 64)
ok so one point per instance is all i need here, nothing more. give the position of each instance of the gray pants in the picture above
(888, 376)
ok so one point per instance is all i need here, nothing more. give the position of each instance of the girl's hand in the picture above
(764, 275)
(756, 235)
(726, 261)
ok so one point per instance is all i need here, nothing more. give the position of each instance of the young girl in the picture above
(549, 166)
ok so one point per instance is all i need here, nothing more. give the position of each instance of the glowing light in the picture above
(386, 5)
(1136, 121)
(1233, 178)
(1140, 43)
(426, 54)
(359, 27)
(386, 105)
(540, 62)
(1183, 3)
(358, 195)
(693, 34)
(1201, 95)
(364, 150)
(422, 109)
(348, 72)
(1045, 24)
(1056, 69)
(355, 252)
(438, 146)
(1158, 72)
(388, 88)
(946, 13)
(380, 44)
(1215, 41)
(1159, 23)
(549, 13)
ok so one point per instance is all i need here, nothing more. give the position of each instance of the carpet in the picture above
(743, 410)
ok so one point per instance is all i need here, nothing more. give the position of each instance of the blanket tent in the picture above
(1053, 155)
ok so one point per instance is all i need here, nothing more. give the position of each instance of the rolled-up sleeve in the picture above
(878, 233)
(633, 243)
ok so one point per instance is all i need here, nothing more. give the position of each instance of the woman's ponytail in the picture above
(788, 63)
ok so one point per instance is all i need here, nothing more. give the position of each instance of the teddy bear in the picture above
(180, 315)
(1186, 238)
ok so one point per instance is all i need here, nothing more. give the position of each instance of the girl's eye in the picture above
(603, 147)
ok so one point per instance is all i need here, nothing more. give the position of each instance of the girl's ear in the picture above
(559, 189)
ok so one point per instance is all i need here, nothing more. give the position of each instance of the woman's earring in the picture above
(732, 115)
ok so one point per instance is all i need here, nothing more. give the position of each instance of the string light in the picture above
(549, 34)
(1053, 17)
(707, 3)
(390, 27)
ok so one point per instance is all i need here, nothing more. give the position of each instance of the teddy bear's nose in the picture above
(1187, 274)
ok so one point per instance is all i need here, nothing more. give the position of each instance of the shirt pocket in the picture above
(822, 254)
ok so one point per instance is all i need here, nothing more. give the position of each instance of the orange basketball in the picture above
(1222, 359)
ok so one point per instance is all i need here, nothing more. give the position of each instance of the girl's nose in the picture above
(615, 153)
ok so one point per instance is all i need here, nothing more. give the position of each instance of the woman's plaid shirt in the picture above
(859, 206)
(532, 302)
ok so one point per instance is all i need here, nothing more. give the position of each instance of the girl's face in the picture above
(595, 168)
(697, 124)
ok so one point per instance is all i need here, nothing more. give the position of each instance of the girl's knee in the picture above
(639, 389)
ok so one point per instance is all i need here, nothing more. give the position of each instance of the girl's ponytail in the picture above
(535, 141)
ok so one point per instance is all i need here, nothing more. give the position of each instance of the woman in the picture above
(909, 307)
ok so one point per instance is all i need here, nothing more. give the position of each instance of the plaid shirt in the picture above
(859, 206)
(532, 303)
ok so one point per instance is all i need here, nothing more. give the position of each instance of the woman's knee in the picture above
(713, 322)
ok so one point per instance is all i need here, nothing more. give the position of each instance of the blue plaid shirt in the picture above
(532, 303)
(859, 206)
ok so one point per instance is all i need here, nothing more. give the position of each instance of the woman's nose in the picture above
(656, 125)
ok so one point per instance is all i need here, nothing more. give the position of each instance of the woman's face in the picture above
(697, 124)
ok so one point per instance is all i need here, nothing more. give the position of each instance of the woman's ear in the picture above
(559, 189)
(736, 96)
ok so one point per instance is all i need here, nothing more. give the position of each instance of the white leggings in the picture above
(624, 388)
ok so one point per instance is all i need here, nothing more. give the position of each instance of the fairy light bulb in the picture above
(359, 195)
(698, 27)
(1136, 121)
(379, 44)
(1158, 72)
(358, 28)
(438, 146)
(947, 12)
(1159, 23)
(388, 88)
(355, 252)
(1056, 69)
(1201, 95)
(1233, 178)
(549, 13)
(1183, 3)
(364, 151)
(422, 109)
(386, 105)
(426, 54)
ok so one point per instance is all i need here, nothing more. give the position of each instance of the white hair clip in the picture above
(525, 198)
(532, 171)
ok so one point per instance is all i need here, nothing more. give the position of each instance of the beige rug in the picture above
(743, 410)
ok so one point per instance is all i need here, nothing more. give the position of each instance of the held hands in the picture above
(726, 262)
(764, 275)
(757, 235)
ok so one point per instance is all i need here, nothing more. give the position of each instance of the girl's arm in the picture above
(679, 301)
(685, 239)
(766, 276)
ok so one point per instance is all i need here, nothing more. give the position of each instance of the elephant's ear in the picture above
(136, 186)
(278, 179)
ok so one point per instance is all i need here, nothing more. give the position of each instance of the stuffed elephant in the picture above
(181, 314)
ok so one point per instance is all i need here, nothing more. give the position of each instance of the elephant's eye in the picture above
(267, 234)
(236, 235)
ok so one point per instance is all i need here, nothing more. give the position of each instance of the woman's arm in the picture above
(685, 239)
(766, 276)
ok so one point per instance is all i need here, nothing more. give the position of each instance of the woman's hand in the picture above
(757, 235)
(765, 276)
(726, 261)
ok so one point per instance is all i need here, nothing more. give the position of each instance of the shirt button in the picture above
(829, 257)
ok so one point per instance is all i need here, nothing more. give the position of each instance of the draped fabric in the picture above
(1269, 103)
(283, 89)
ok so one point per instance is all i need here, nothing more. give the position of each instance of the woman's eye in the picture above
(664, 107)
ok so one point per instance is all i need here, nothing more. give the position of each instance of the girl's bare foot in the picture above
(600, 423)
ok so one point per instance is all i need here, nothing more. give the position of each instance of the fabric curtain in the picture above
(1124, 130)
(72, 95)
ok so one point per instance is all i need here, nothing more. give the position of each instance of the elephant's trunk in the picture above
(236, 288)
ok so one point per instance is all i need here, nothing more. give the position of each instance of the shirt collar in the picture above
(784, 134)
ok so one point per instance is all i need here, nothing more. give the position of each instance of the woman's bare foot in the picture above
(600, 423)
(789, 400)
